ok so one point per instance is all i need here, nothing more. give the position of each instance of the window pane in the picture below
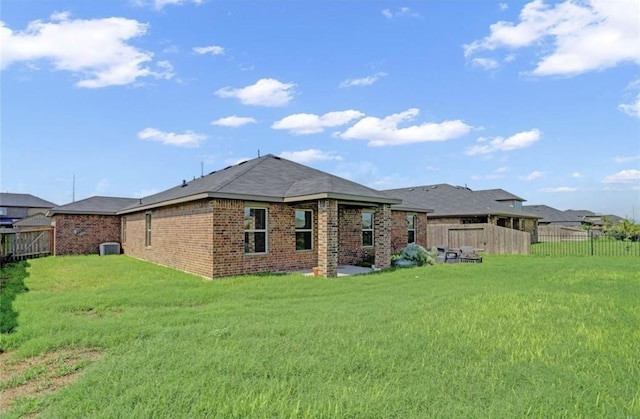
(411, 221)
(367, 238)
(303, 240)
(255, 218)
(367, 220)
(303, 219)
(255, 242)
(412, 237)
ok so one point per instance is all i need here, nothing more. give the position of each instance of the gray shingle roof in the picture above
(268, 179)
(100, 205)
(457, 201)
(553, 215)
(23, 200)
(35, 220)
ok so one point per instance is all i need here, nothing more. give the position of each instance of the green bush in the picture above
(11, 284)
(419, 254)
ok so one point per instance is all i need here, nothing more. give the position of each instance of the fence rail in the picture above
(18, 245)
(571, 241)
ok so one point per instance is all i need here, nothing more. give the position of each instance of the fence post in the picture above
(591, 240)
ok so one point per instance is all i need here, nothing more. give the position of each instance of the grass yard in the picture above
(512, 337)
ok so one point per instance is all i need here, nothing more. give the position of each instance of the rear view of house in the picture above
(266, 214)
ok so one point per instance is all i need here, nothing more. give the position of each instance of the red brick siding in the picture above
(351, 251)
(77, 234)
(399, 231)
(328, 241)
(382, 233)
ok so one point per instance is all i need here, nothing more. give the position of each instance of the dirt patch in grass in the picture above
(36, 376)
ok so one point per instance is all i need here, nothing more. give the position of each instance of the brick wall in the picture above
(399, 231)
(82, 234)
(328, 241)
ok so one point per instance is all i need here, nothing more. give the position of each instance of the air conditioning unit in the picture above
(109, 248)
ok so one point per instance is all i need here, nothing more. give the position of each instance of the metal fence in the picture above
(569, 242)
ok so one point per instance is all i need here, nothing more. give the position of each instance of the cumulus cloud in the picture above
(561, 189)
(623, 176)
(233, 121)
(186, 139)
(364, 81)
(96, 50)
(212, 49)
(385, 131)
(485, 63)
(516, 141)
(310, 155)
(306, 123)
(574, 37)
(265, 92)
(534, 175)
(632, 108)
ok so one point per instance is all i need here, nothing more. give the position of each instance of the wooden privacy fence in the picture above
(26, 244)
(488, 237)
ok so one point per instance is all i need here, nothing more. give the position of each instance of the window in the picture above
(147, 229)
(3, 210)
(411, 228)
(304, 230)
(255, 230)
(367, 229)
(124, 229)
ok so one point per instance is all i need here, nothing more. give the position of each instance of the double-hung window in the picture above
(255, 230)
(367, 229)
(304, 230)
(411, 228)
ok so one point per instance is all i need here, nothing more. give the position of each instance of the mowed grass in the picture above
(514, 336)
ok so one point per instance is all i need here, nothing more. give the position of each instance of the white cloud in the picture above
(576, 174)
(399, 12)
(310, 155)
(485, 63)
(96, 50)
(233, 121)
(306, 123)
(561, 189)
(385, 131)
(516, 141)
(632, 108)
(574, 37)
(265, 92)
(534, 175)
(212, 49)
(503, 6)
(623, 176)
(160, 4)
(364, 81)
(187, 139)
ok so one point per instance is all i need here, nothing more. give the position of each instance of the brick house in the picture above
(265, 215)
(17, 206)
(80, 227)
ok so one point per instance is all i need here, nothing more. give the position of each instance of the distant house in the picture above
(265, 214)
(456, 206)
(81, 226)
(16, 206)
(550, 216)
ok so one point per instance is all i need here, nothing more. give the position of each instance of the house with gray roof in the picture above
(462, 212)
(17, 206)
(268, 214)
(81, 226)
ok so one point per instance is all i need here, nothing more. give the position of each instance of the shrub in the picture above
(419, 254)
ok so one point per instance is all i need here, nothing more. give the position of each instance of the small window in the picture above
(147, 239)
(3, 210)
(255, 230)
(367, 229)
(124, 229)
(304, 230)
(411, 228)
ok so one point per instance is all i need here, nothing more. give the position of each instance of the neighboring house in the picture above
(16, 206)
(460, 206)
(550, 216)
(35, 222)
(81, 226)
(268, 214)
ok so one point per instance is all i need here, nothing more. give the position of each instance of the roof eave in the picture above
(344, 198)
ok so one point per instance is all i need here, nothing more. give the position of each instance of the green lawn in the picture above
(512, 337)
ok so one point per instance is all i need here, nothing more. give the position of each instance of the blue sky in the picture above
(539, 98)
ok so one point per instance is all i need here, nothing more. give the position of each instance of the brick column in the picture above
(328, 238)
(382, 240)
